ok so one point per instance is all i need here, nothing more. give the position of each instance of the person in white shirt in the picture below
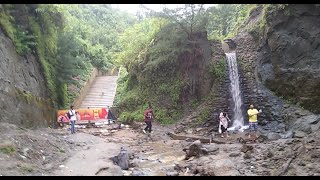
(73, 118)
(223, 124)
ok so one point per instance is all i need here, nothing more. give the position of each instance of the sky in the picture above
(133, 8)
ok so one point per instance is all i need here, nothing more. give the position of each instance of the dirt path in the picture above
(91, 159)
(152, 154)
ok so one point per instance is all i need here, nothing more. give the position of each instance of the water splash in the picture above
(235, 90)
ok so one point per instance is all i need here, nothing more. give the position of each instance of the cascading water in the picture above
(235, 90)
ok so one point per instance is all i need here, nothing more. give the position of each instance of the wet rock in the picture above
(274, 136)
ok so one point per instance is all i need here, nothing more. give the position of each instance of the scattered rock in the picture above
(313, 119)
(172, 174)
(315, 127)
(25, 151)
(288, 135)
(269, 154)
(48, 166)
(311, 140)
(203, 171)
(301, 163)
(299, 134)
(133, 164)
(126, 173)
(274, 136)
(247, 155)
(315, 155)
(289, 141)
(122, 159)
(234, 154)
(304, 123)
(245, 148)
(195, 149)
(144, 172)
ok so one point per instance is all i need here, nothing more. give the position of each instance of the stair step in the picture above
(101, 93)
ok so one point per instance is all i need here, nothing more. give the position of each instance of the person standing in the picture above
(110, 116)
(73, 118)
(253, 120)
(148, 118)
(223, 125)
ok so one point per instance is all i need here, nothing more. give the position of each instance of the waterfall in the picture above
(235, 90)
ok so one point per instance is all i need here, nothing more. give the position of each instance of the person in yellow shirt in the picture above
(253, 120)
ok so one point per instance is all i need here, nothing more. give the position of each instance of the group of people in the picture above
(149, 117)
(73, 115)
(223, 121)
(253, 122)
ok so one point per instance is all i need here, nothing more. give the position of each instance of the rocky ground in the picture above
(128, 152)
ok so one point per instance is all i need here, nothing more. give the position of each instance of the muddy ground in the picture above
(91, 152)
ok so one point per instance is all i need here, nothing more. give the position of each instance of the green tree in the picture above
(226, 18)
(190, 18)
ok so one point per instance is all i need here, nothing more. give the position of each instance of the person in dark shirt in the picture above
(148, 118)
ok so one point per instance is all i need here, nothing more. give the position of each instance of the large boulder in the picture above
(305, 123)
(274, 136)
(122, 159)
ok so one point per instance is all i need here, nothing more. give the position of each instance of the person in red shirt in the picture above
(148, 118)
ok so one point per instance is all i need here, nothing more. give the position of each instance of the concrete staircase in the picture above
(101, 93)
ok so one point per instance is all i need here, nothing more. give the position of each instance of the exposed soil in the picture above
(90, 152)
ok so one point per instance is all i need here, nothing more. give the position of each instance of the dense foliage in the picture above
(71, 40)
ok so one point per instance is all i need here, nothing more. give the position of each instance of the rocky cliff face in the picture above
(23, 96)
(280, 67)
(289, 56)
(193, 66)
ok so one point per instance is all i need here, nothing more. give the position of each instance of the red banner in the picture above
(83, 114)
